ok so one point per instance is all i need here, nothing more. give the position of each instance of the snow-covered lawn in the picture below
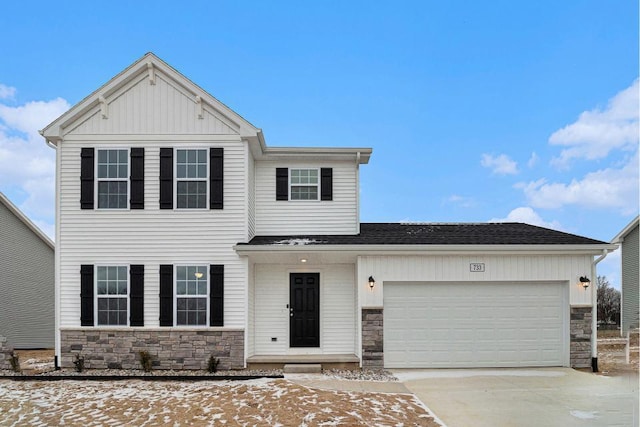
(264, 402)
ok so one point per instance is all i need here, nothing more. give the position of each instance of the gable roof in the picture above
(22, 217)
(625, 231)
(435, 234)
(148, 63)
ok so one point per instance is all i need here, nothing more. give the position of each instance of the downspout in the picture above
(594, 311)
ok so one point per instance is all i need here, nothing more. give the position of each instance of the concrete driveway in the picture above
(525, 397)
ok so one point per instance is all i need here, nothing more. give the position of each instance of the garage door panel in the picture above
(474, 324)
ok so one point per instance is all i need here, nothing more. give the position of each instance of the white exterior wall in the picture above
(278, 217)
(151, 236)
(455, 268)
(337, 309)
(251, 195)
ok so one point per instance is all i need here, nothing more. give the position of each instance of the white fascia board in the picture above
(22, 217)
(622, 234)
(428, 249)
(362, 155)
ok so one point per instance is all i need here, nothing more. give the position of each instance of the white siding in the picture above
(450, 268)
(337, 309)
(164, 108)
(338, 216)
(151, 236)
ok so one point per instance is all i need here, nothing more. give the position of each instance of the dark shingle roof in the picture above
(436, 234)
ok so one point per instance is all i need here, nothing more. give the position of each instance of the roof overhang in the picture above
(260, 151)
(622, 234)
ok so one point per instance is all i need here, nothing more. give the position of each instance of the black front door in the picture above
(304, 309)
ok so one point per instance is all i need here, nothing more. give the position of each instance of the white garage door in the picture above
(448, 325)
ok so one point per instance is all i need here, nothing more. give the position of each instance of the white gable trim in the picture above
(622, 234)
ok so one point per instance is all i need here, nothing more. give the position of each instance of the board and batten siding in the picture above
(26, 285)
(251, 195)
(456, 268)
(141, 108)
(151, 236)
(630, 296)
(338, 216)
(271, 315)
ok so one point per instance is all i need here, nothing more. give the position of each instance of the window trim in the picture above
(317, 185)
(175, 293)
(175, 179)
(96, 295)
(97, 179)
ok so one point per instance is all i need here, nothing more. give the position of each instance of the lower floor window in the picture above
(113, 295)
(192, 285)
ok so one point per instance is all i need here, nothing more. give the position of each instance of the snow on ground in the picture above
(268, 402)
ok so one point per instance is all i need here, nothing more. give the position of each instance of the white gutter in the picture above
(594, 310)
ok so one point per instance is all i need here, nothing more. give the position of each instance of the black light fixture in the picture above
(585, 282)
(372, 282)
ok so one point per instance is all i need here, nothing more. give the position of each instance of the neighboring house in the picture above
(182, 233)
(26, 281)
(628, 239)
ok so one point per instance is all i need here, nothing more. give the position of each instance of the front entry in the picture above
(304, 309)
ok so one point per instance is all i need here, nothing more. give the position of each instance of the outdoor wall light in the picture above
(372, 282)
(303, 260)
(585, 282)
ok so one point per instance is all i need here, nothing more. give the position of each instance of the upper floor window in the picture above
(192, 291)
(191, 179)
(304, 184)
(112, 294)
(113, 179)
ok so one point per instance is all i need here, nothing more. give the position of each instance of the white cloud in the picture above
(528, 216)
(610, 267)
(533, 160)
(7, 92)
(501, 165)
(609, 188)
(26, 162)
(597, 132)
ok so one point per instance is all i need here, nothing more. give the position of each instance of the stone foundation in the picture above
(580, 332)
(372, 338)
(5, 353)
(169, 348)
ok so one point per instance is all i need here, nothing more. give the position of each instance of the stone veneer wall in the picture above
(372, 338)
(5, 353)
(169, 348)
(580, 330)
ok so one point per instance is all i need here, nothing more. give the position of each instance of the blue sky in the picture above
(476, 111)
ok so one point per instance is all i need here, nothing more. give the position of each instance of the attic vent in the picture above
(104, 107)
(152, 73)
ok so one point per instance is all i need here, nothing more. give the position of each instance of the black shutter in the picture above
(86, 295)
(216, 295)
(86, 178)
(216, 177)
(166, 295)
(326, 184)
(166, 178)
(137, 178)
(282, 184)
(136, 295)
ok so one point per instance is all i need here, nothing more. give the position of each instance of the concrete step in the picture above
(303, 368)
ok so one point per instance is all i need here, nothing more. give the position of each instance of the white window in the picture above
(304, 184)
(113, 179)
(191, 179)
(192, 295)
(112, 295)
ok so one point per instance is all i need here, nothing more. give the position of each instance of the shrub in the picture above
(145, 360)
(79, 363)
(14, 360)
(212, 364)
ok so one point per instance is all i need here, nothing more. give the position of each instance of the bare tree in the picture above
(608, 302)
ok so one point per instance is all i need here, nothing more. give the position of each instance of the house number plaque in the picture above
(476, 267)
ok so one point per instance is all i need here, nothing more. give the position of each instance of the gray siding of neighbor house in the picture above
(630, 297)
(26, 285)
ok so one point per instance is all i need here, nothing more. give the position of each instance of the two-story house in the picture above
(180, 232)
